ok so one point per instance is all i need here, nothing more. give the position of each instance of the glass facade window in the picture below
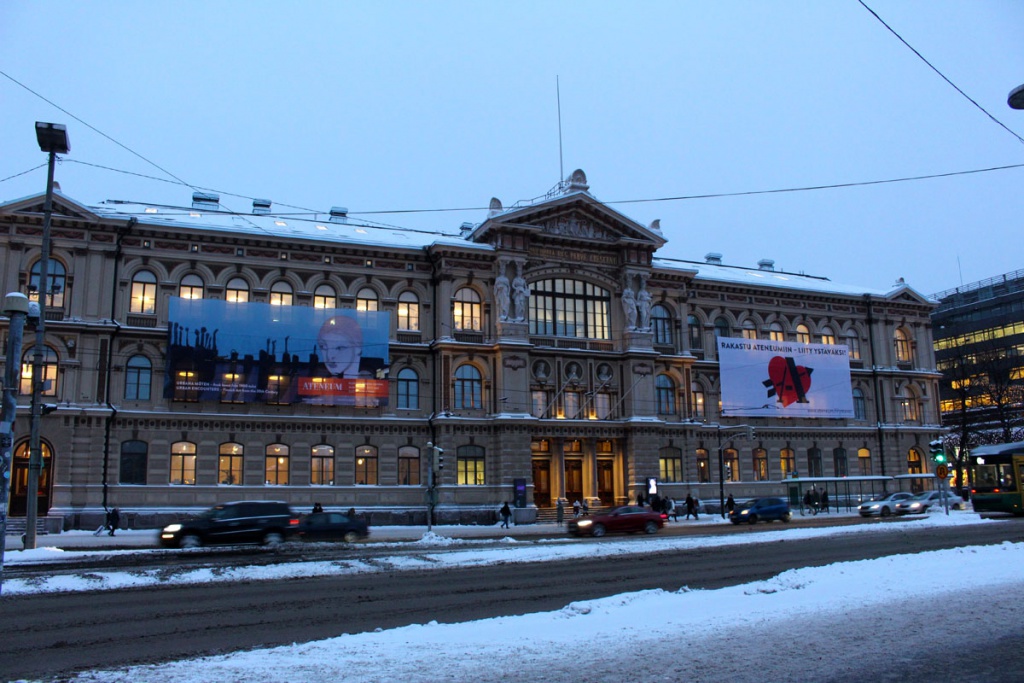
(49, 372)
(231, 388)
(569, 308)
(409, 466)
(57, 275)
(703, 466)
(281, 294)
(468, 388)
(321, 465)
(467, 310)
(366, 466)
(696, 331)
(470, 469)
(864, 462)
(237, 291)
(787, 462)
(661, 325)
(134, 460)
(853, 343)
(366, 300)
(408, 389)
(760, 464)
(670, 464)
(904, 348)
(229, 464)
(909, 406)
(839, 461)
(697, 411)
(276, 465)
(408, 311)
(665, 395)
(143, 298)
(183, 463)
(277, 389)
(138, 378)
(191, 287)
(731, 464)
(324, 296)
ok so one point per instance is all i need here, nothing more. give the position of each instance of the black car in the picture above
(332, 526)
(257, 521)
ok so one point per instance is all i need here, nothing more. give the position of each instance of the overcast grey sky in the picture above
(387, 106)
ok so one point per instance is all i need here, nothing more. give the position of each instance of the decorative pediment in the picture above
(61, 207)
(575, 225)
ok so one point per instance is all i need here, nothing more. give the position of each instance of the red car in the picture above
(628, 518)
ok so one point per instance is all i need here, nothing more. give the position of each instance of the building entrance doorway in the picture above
(606, 482)
(574, 480)
(542, 483)
(19, 481)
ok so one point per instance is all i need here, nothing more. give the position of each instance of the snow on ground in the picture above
(649, 635)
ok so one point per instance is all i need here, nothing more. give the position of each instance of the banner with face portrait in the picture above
(279, 355)
(762, 378)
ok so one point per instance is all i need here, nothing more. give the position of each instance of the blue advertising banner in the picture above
(257, 353)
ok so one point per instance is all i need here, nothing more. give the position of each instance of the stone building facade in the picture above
(544, 353)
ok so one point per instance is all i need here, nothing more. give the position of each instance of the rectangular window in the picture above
(183, 469)
(185, 387)
(703, 466)
(366, 470)
(229, 470)
(539, 399)
(471, 471)
(760, 464)
(231, 388)
(787, 462)
(276, 470)
(321, 470)
(277, 389)
(408, 470)
(133, 463)
(671, 468)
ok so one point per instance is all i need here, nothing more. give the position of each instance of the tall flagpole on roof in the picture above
(558, 95)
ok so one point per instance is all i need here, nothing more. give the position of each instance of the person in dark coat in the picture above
(824, 500)
(730, 504)
(113, 519)
(505, 513)
(691, 507)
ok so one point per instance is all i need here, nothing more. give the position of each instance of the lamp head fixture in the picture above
(52, 137)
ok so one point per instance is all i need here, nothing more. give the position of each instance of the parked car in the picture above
(883, 505)
(761, 509)
(257, 521)
(628, 518)
(922, 502)
(332, 526)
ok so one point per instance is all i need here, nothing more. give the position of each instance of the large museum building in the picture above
(197, 355)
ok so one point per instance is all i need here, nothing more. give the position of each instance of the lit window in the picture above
(366, 466)
(853, 343)
(787, 462)
(143, 299)
(325, 297)
(408, 311)
(703, 466)
(470, 466)
(49, 373)
(237, 291)
(803, 334)
(904, 348)
(775, 332)
(183, 463)
(569, 308)
(57, 276)
(276, 465)
(321, 467)
(229, 464)
(760, 464)
(827, 336)
(281, 294)
(864, 462)
(408, 466)
(466, 310)
(670, 464)
(191, 287)
(749, 330)
(366, 300)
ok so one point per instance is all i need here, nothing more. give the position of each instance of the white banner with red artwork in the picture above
(763, 378)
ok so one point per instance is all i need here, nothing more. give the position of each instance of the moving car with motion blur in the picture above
(332, 526)
(257, 521)
(761, 510)
(921, 503)
(627, 519)
(883, 505)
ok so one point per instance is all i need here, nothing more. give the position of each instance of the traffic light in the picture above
(437, 456)
(938, 452)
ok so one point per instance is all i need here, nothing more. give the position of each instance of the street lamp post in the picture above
(721, 460)
(16, 308)
(53, 139)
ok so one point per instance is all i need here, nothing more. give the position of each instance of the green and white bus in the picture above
(997, 472)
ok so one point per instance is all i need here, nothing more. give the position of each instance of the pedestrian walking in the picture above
(559, 512)
(113, 519)
(824, 500)
(730, 504)
(670, 509)
(576, 508)
(586, 507)
(506, 513)
(807, 500)
(691, 507)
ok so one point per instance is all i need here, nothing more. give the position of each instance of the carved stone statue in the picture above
(502, 294)
(521, 295)
(629, 307)
(643, 304)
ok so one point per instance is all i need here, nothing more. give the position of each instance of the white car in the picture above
(883, 506)
(929, 499)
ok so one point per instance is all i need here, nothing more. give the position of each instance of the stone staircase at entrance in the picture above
(550, 515)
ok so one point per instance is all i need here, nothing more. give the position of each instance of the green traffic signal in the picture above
(938, 452)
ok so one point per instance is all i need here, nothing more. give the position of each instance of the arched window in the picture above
(827, 335)
(670, 460)
(466, 310)
(665, 390)
(183, 463)
(57, 275)
(803, 334)
(696, 332)
(859, 405)
(49, 373)
(839, 461)
(366, 299)
(696, 401)
(366, 466)
(864, 462)
(703, 466)
(408, 311)
(321, 465)
(229, 464)
(787, 462)
(760, 464)
(470, 466)
(731, 459)
(191, 287)
(468, 388)
(281, 294)
(143, 299)
(276, 461)
(775, 332)
(904, 348)
(237, 291)
(661, 325)
(749, 330)
(909, 405)
(324, 296)
(408, 389)
(138, 376)
(814, 462)
(853, 343)
(569, 308)
(133, 462)
(914, 462)
(721, 327)
(408, 466)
